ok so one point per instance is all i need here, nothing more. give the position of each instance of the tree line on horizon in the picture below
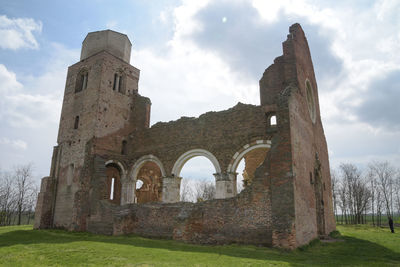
(360, 196)
(18, 194)
(370, 195)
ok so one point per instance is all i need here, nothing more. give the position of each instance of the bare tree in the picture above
(397, 192)
(204, 190)
(373, 190)
(31, 202)
(187, 194)
(356, 193)
(8, 198)
(24, 179)
(384, 175)
(335, 193)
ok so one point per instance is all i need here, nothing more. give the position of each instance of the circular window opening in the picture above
(139, 184)
(310, 101)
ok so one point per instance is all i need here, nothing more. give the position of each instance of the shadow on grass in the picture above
(353, 251)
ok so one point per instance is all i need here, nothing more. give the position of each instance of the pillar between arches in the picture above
(225, 183)
(171, 188)
(128, 192)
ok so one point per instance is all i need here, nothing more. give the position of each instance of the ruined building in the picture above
(105, 146)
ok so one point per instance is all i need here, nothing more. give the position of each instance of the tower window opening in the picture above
(82, 81)
(76, 124)
(123, 148)
(112, 189)
(116, 82)
(120, 84)
(272, 120)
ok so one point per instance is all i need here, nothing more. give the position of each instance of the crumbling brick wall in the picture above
(287, 204)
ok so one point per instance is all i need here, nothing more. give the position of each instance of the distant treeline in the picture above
(366, 196)
(18, 194)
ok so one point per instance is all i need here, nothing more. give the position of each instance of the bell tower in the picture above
(99, 101)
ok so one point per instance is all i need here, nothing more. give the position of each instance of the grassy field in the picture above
(22, 246)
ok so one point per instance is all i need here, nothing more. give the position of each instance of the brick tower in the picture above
(98, 101)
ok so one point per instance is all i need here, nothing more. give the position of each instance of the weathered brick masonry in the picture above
(105, 145)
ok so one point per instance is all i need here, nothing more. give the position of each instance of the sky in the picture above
(204, 56)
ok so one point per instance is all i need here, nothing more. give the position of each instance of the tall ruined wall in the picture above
(310, 152)
(288, 76)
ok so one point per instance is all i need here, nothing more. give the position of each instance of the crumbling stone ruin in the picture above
(105, 147)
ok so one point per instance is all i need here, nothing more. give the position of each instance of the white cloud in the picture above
(195, 80)
(18, 33)
(30, 109)
(18, 144)
(35, 101)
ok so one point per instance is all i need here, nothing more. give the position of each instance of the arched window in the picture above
(76, 124)
(81, 81)
(119, 82)
(271, 119)
(148, 183)
(311, 101)
(113, 184)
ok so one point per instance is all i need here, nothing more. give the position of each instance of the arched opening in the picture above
(119, 82)
(198, 185)
(146, 180)
(198, 181)
(148, 186)
(113, 183)
(311, 101)
(81, 81)
(240, 181)
(271, 119)
(246, 161)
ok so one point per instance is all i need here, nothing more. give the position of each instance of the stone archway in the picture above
(223, 184)
(115, 173)
(151, 172)
(254, 154)
(176, 170)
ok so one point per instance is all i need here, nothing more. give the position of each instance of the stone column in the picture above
(128, 193)
(171, 189)
(225, 184)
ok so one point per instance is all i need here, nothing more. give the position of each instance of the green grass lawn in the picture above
(22, 246)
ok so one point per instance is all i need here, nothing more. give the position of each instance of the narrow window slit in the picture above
(76, 124)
